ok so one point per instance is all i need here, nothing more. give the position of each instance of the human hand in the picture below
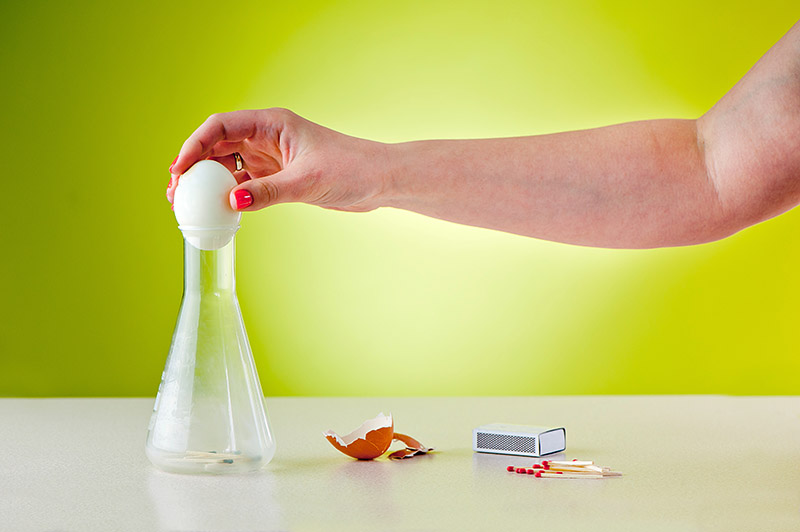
(287, 159)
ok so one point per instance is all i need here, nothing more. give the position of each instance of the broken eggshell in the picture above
(413, 447)
(368, 441)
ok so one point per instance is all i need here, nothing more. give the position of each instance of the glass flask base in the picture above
(206, 462)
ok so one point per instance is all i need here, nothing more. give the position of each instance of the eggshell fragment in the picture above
(368, 441)
(413, 447)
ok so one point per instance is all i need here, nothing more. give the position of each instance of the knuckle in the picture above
(267, 192)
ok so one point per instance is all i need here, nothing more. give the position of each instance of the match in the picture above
(574, 469)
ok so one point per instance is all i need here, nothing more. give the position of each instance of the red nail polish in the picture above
(173, 164)
(243, 199)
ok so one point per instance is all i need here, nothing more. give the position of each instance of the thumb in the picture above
(262, 192)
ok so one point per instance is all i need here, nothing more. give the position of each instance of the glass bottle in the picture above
(209, 414)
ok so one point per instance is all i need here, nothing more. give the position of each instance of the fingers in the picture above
(222, 135)
(171, 189)
(231, 127)
(226, 148)
(218, 138)
(261, 192)
(171, 184)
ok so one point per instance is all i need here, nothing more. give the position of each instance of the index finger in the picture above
(232, 127)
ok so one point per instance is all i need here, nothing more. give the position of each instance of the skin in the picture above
(635, 185)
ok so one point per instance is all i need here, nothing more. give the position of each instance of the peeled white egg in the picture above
(202, 208)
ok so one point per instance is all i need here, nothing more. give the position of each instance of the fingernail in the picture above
(243, 199)
(173, 164)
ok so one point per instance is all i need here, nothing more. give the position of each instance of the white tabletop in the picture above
(689, 462)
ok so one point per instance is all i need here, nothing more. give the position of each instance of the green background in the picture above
(98, 97)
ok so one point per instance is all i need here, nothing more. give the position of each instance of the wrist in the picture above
(392, 173)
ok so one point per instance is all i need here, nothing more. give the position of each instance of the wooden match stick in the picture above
(576, 463)
(566, 469)
(213, 454)
(556, 474)
(578, 471)
(573, 469)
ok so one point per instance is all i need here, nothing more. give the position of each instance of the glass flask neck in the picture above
(211, 271)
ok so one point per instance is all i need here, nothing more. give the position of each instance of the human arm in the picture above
(635, 185)
(638, 184)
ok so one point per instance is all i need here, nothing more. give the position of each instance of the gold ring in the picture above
(239, 161)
